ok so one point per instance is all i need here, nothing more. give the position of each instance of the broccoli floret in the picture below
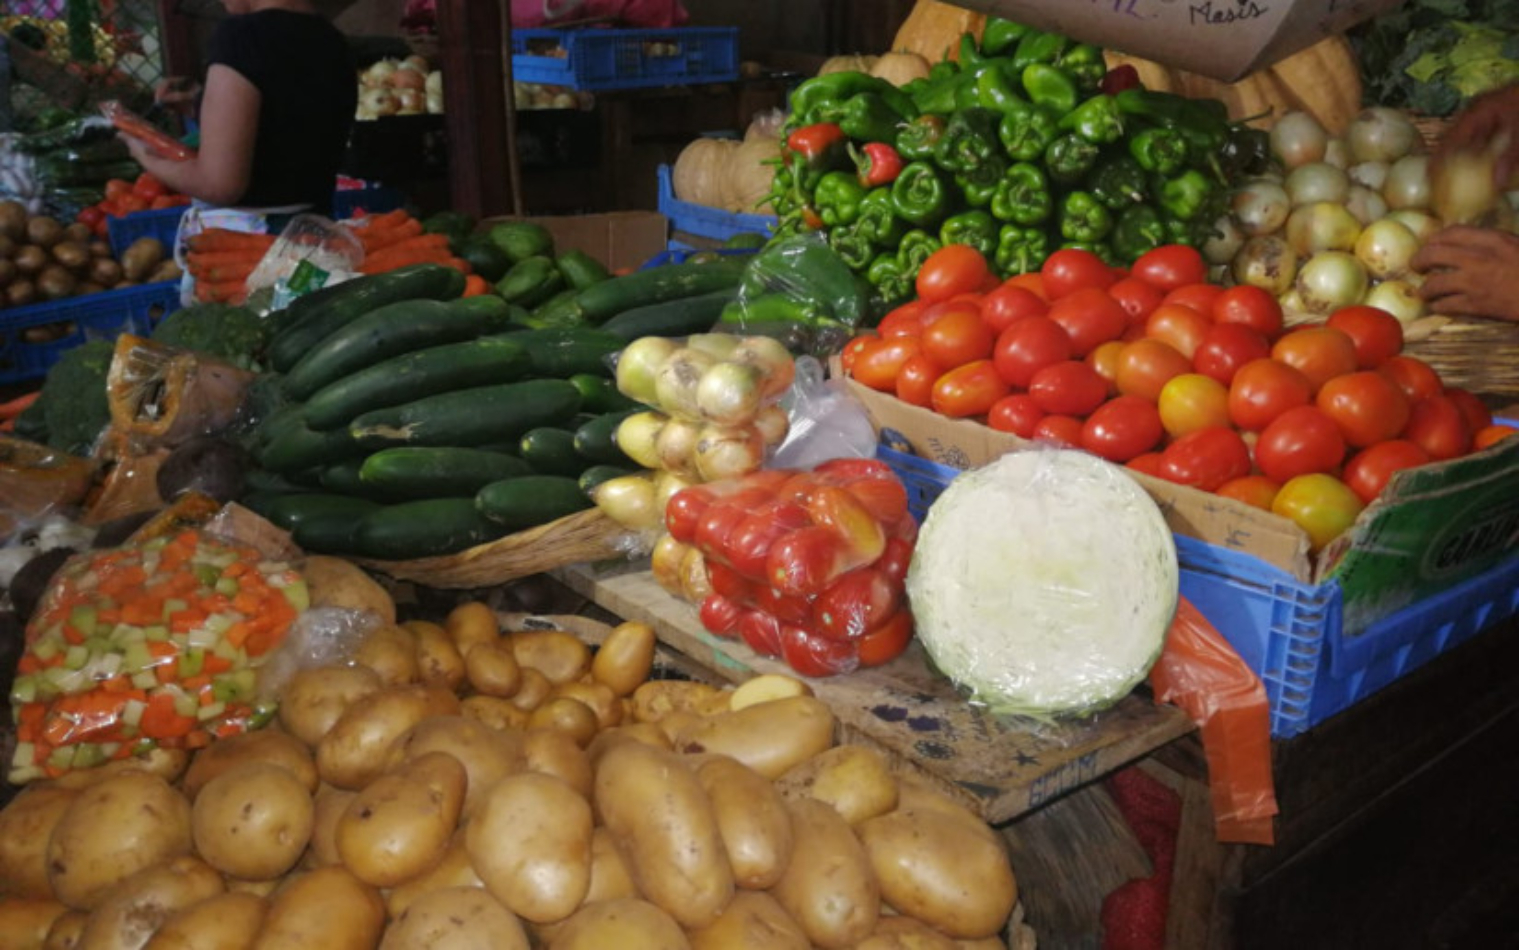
(74, 405)
(235, 334)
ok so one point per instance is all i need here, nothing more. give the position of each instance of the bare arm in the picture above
(1489, 120)
(229, 125)
(1471, 272)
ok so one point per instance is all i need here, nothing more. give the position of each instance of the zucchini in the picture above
(294, 447)
(596, 441)
(561, 352)
(599, 394)
(532, 500)
(600, 302)
(320, 522)
(312, 317)
(596, 474)
(551, 451)
(424, 528)
(416, 374)
(581, 270)
(469, 417)
(408, 472)
(342, 478)
(673, 318)
(560, 310)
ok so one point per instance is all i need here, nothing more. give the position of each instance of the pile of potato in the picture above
(42, 259)
(463, 786)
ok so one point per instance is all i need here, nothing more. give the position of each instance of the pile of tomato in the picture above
(122, 197)
(1156, 368)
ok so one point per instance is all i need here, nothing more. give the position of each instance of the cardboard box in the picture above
(1224, 39)
(618, 239)
(1431, 529)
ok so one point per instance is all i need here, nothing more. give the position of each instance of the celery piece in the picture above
(191, 662)
(84, 619)
(76, 657)
(227, 586)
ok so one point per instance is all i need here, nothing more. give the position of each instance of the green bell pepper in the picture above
(1084, 218)
(852, 246)
(1085, 64)
(890, 279)
(1037, 46)
(1048, 88)
(838, 198)
(917, 246)
(994, 89)
(1020, 250)
(1160, 150)
(917, 139)
(1023, 196)
(1069, 157)
(1097, 120)
(1118, 182)
(969, 141)
(979, 185)
(1140, 228)
(878, 220)
(970, 50)
(975, 229)
(867, 118)
(1026, 132)
(1246, 153)
(520, 240)
(1185, 196)
(1001, 36)
(813, 94)
(1165, 108)
(920, 196)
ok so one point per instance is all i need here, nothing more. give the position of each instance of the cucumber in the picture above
(561, 352)
(425, 528)
(551, 451)
(442, 472)
(391, 331)
(295, 447)
(596, 474)
(320, 522)
(600, 302)
(581, 270)
(469, 417)
(674, 318)
(532, 500)
(311, 318)
(416, 374)
(342, 478)
(599, 394)
(596, 441)
(258, 480)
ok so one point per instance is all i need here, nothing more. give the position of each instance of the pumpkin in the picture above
(933, 30)
(900, 68)
(849, 63)
(749, 172)
(699, 171)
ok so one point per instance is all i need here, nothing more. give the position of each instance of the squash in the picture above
(900, 68)
(848, 63)
(933, 30)
(748, 173)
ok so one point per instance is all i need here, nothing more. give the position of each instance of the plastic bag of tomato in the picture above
(122, 197)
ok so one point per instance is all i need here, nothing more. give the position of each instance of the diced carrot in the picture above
(28, 664)
(215, 663)
(160, 720)
(237, 635)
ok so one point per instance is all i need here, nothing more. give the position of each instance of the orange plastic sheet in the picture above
(1201, 673)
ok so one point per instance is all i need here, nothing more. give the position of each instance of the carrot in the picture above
(411, 250)
(386, 219)
(231, 291)
(201, 260)
(15, 407)
(475, 285)
(223, 239)
(461, 265)
(226, 273)
(391, 235)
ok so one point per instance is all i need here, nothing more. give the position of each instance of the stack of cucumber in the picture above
(403, 420)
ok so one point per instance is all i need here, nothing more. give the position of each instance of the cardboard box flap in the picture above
(618, 239)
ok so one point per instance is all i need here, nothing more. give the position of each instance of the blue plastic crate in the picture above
(1289, 632)
(94, 317)
(600, 59)
(162, 224)
(702, 221)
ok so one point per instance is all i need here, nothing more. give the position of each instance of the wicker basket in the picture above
(1479, 355)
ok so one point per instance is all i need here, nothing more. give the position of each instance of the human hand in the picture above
(1489, 120)
(1471, 272)
(177, 94)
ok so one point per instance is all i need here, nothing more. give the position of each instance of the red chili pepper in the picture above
(817, 144)
(878, 162)
(1118, 79)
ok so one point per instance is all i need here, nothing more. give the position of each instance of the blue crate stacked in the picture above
(71, 322)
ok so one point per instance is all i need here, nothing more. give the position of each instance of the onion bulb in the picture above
(1337, 153)
(1381, 134)
(1407, 183)
(638, 364)
(730, 393)
(378, 74)
(1365, 204)
(665, 561)
(1321, 226)
(1386, 247)
(728, 452)
(675, 383)
(675, 447)
(638, 435)
(1331, 280)
(695, 582)
(434, 83)
(1265, 261)
(772, 357)
(1423, 225)
(1462, 189)
(1399, 298)
(667, 484)
(378, 102)
(1371, 174)
(1261, 207)
(1297, 138)
(719, 346)
(1224, 241)
(629, 500)
(773, 425)
(1317, 181)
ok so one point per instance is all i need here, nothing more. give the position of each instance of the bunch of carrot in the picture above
(12, 408)
(221, 261)
(396, 239)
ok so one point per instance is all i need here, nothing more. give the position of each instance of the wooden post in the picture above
(470, 41)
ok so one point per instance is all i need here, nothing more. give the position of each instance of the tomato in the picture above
(1091, 317)
(1262, 390)
(805, 561)
(761, 632)
(1059, 430)
(885, 498)
(1145, 366)
(1137, 298)
(1377, 334)
(117, 188)
(1017, 413)
(1225, 347)
(729, 582)
(1300, 441)
(684, 510)
(1070, 269)
(1069, 388)
(969, 390)
(957, 337)
(720, 615)
(1255, 490)
(877, 363)
(1473, 409)
(787, 608)
(952, 269)
(852, 350)
(1171, 266)
(1192, 401)
(1206, 458)
(1320, 353)
(813, 655)
(1121, 428)
(1104, 360)
(1435, 424)
(1200, 297)
(1492, 435)
(1249, 306)
(90, 216)
(1032, 282)
(863, 537)
(896, 560)
(747, 546)
(1322, 505)
(148, 187)
(906, 320)
(1179, 325)
(1028, 346)
(1368, 470)
(847, 469)
(886, 642)
(717, 522)
(915, 380)
(1148, 463)
(854, 604)
(1008, 304)
(1368, 407)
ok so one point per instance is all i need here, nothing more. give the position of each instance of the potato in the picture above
(167, 764)
(765, 688)
(667, 828)
(828, 886)
(487, 754)
(136, 907)
(598, 696)
(753, 920)
(25, 921)
(569, 716)
(854, 779)
(625, 657)
(531, 844)
(904, 933)
(229, 921)
(492, 669)
(752, 819)
(493, 711)
(328, 806)
(769, 738)
(336, 582)
(399, 825)
(557, 654)
(646, 732)
(611, 878)
(627, 924)
(916, 794)
(985, 943)
(66, 931)
(932, 867)
(140, 257)
(455, 918)
(25, 825)
(262, 745)
(315, 698)
(110, 831)
(656, 699)
(253, 821)
(470, 624)
(439, 662)
(452, 870)
(532, 689)
(554, 752)
(352, 753)
(391, 652)
(327, 908)
(236, 885)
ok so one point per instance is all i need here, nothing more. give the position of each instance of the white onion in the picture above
(675, 383)
(1464, 190)
(1367, 205)
(719, 346)
(1386, 247)
(1261, 207)
(666, 484)
(665, 561)
(676, 447)
(1381, 134)
(1408, 183)
(629, 500)
(1265, 261)
(729, 393)
(728, 452)
(1293, 310)
(1317, 181)
(638, 364)
(1337, 153)
(638, 434)
(1224, 242)
(773, 425)
(1297, 138)
(1399, 298)
(1423, 224)
(771, 356)
(1321, 226)
(1371, 174)
(1330, 280)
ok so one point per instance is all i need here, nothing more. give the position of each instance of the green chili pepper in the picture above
(919, 195)
(938, 96)
(771, 308)
(1023, 196)
(1118, 182)
(1083, 217)
(867, 118)
(840, 87)
(969, 140)
(838, 198)
(1160, 150)
(970, 50)
(995, 89)
(917, 139)
(1085, 65)
(943, 69)
(878, 220)
(886, 275)
(852, 246)
(1000, 36)
(1097, 120)
(1026, 132)
(1037, 46)
(1020, 250)
(1185, 196)
(1069, 157)
(1170, 109)
(976, 229)
(1139, 229)
(1048, 88)
(917, 246)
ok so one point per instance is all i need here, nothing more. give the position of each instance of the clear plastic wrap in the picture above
(321, 636)
(130, 123)
(311, 252)
(799, 291)
(36, 481)
(161, 396)
(824, 421)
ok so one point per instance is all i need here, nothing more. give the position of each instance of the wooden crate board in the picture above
(999, 767)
